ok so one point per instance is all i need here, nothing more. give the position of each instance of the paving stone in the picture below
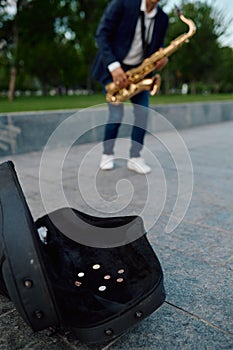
(15, 334)
(169, 328)
(199, 288)
(196, 257)
(5, 306)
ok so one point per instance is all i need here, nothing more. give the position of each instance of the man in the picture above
(128, 32)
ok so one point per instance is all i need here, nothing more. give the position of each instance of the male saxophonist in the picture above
(128, 32)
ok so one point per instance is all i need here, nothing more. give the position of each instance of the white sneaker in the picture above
(138, 164)
(107, 162)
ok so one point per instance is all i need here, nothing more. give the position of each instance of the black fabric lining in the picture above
(86, 305)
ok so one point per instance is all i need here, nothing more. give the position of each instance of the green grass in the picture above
(34, 103)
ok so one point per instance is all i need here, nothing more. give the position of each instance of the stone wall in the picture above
(30, 131)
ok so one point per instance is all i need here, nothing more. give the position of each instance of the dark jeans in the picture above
(116, 113)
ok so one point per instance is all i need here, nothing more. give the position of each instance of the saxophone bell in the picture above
(155, 86)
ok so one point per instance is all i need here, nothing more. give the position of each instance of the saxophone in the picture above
(136, 76)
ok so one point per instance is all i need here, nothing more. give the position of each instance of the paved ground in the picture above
(197, 256)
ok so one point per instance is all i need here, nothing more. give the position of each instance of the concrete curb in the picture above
(29, 131)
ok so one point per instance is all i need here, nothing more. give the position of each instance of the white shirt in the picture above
(135, 54)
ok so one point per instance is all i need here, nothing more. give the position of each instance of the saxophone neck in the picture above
(188, 21)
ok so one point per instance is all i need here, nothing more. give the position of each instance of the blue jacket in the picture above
(115, 34)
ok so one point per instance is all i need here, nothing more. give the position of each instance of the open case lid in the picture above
(22, 267)
(30, 275)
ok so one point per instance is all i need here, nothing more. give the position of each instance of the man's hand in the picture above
(119, 77)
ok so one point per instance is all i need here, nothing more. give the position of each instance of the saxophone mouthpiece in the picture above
(178, 11)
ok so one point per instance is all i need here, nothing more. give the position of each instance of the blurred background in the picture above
(47, 48)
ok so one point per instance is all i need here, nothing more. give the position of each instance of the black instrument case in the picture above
(53, 280)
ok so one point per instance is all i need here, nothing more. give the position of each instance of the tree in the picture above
(197, 60)
(52, 40)
(38, 48)
(224, 75)
(83, 22)
(10, 30)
